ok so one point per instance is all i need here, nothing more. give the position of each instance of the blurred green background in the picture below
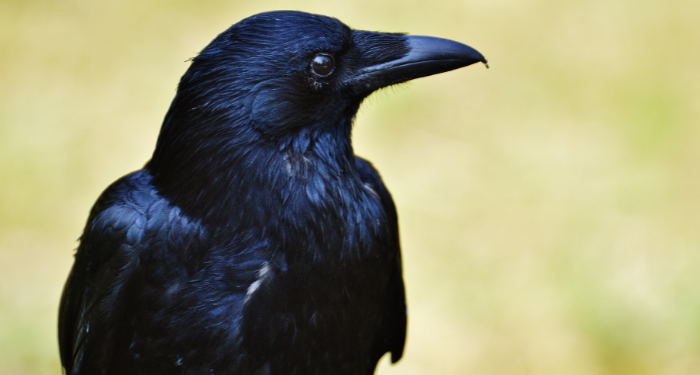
(549, 206)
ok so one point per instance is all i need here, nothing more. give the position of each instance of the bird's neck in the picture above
(220, 175)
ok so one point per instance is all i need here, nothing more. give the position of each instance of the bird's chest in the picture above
(324, 306)
(327, 280)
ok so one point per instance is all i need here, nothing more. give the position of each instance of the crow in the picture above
(254, 241)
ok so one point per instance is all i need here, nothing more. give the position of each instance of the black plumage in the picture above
(254, 241)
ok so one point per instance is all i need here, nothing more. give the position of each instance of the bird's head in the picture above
(280, 73)
(279, 91)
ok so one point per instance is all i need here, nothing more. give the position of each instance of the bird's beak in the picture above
(426, 56)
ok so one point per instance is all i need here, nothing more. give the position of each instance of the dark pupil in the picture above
(322, 65)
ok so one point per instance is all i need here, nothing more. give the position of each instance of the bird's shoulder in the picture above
(131, 207)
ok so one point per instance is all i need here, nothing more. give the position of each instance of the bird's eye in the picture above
(322, 65)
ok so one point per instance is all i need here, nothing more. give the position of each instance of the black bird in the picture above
(254, 241)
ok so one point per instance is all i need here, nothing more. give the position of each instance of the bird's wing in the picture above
(136, 279)
(106, 251)
(91, 315)
(392, 334)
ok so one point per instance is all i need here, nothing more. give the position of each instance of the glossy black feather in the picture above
(254, 241)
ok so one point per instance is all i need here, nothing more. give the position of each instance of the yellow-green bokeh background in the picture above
(549, 206)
